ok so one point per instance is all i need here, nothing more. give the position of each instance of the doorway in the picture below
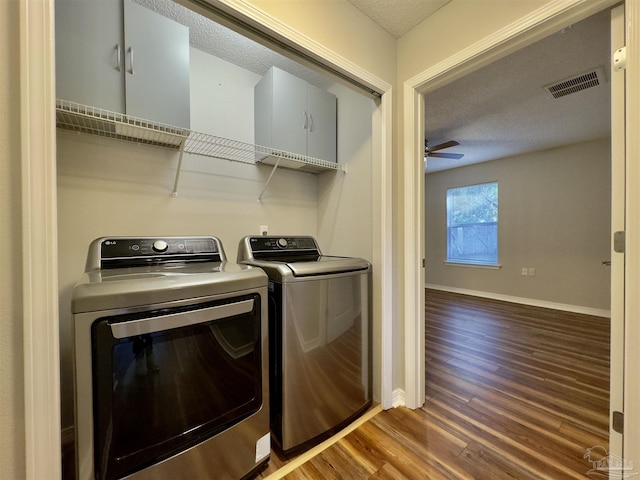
(548, 155)
(432, 79)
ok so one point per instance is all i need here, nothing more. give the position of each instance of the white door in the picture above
(617, 225)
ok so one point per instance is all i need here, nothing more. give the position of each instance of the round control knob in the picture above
(282, 242)
(160, 246)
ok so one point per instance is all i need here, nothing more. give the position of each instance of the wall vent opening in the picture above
(592, 78)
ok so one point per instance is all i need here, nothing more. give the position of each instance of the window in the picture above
(472, 224)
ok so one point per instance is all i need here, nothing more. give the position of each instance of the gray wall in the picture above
(554, 216)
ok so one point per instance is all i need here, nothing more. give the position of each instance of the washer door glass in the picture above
(161, 392)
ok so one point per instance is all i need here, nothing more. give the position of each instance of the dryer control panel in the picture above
(123, 252)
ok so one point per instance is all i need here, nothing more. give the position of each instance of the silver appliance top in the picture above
(125, 272)
(300, 256)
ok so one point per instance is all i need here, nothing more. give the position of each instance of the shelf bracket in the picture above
(264, 189)
(175, 183)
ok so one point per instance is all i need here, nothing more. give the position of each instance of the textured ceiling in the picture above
(215, 39)
(399, 16)
(502, 110)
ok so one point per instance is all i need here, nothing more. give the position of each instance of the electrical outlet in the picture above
(532, 272)
(525, 271)
(264, 229)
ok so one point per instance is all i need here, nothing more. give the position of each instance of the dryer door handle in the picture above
(167, 322)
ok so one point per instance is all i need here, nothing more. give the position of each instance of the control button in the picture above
(135, 247)
(282, 242)
(160, 246)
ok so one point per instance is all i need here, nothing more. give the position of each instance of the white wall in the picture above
(221, 97)
(12, 435)
(345, 199)
(108, 187)
(554, 216)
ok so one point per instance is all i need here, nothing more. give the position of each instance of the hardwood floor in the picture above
(512, 392)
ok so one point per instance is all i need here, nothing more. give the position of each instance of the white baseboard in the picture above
(524, 301)
(398, 398)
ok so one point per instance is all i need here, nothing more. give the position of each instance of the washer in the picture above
(171, 361)
(319, 342)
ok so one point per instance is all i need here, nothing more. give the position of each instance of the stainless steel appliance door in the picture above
(326, 375)
(168, 379)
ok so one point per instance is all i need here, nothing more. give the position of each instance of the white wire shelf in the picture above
(96, 121)
(236, 151)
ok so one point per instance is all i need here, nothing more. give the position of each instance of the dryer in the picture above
(171, 359)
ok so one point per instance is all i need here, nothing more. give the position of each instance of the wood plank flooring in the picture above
(512, 392)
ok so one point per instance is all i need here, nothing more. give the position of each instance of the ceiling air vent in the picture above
(582, 81)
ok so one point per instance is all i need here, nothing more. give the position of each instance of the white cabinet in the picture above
(294, 116)
(120, 56)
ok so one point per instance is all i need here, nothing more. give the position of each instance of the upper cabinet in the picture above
(294, 116)
(120, 56)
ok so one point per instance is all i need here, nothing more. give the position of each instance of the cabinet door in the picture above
(157, 66)
(321, 137)
(88, 46)
(290, 114)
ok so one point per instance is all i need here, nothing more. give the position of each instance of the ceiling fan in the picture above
(432, 151)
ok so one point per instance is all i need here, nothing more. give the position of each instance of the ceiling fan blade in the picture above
(450, 143)
(455, 156)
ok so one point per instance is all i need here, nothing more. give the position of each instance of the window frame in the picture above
(492, 263)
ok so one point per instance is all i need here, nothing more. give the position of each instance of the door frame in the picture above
(39, 242)
(631, 447)
(39, 221)
(542, 22)
(617, 82)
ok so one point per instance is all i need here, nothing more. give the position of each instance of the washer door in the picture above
(326, 371)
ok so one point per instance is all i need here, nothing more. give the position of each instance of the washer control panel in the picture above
(270, 244)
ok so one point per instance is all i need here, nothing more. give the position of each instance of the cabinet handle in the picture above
(306, 120)
(118, 59)
(311, 123)
(131, 60)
